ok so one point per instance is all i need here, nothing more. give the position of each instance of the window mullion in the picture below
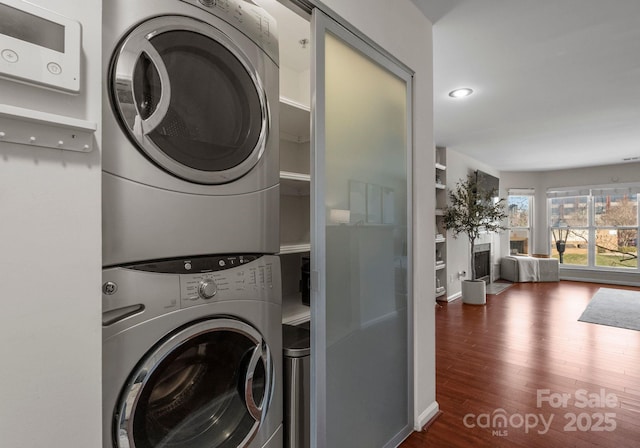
(592, 232)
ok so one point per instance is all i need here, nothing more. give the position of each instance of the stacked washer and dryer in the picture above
(192, 338)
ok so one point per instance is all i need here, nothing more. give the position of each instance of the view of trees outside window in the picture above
(603, 224)
(519, 210)
(570, 224)
(616, 222)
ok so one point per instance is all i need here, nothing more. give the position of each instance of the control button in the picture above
(10, 56)
(54, 68)
(222, 263)
(207, 289)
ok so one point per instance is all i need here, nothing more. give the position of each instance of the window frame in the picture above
(596, 227)
(591, 193)
(530, 194)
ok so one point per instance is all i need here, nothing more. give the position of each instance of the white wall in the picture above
(458, 256)
(393, 25)
(50, 267)
(295, 85)
(579, 177)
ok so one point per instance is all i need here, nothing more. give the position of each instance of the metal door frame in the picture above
(354, 37)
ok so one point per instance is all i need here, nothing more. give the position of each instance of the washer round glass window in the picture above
(190, 100)
(208, 386)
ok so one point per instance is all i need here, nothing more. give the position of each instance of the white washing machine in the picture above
(192, 354)
(190, 129)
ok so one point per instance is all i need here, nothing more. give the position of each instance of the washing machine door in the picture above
(207, 386)
(190, 99)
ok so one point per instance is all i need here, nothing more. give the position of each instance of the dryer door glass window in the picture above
(191, 100)
(210, 391)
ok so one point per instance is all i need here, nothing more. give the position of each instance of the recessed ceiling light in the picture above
(460, 93)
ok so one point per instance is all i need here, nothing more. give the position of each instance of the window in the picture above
(570, 229)
(595, 228)
(520, 208)
(616, 229)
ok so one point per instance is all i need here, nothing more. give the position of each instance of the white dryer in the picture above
(192, 354)
(190, 129)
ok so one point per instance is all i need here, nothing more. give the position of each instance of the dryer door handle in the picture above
(131, 53)
(260, 353)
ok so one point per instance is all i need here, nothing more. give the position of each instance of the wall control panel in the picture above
(39, 47)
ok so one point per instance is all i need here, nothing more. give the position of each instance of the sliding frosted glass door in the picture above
(361, 243)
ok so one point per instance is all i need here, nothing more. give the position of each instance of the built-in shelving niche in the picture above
(295, 182)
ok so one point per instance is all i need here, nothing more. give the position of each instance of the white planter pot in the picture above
(474, 292)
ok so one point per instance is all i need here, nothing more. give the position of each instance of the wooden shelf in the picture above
(440, 167)
(441, 186)
(440, 266)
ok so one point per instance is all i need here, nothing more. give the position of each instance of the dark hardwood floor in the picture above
(524, 344)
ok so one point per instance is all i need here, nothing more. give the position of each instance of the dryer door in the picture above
(208, 385)
(190, 99)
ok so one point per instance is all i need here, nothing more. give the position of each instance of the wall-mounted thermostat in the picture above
(39, 47)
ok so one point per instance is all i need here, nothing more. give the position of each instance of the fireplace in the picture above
(482, 261)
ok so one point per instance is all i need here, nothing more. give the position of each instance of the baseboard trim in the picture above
(599, 280)
(427, 416)
(455, 296)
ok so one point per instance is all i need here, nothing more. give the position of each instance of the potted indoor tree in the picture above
(470, 211)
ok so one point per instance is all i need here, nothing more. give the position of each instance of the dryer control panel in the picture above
(250, 19)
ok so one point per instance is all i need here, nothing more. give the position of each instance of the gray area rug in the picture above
(497, 288)
(615, 308)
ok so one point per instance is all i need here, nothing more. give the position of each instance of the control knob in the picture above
(207, 289)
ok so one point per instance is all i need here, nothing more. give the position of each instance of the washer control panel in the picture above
(206, 279)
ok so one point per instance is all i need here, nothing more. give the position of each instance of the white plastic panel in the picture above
(39, 47)
(35, 128)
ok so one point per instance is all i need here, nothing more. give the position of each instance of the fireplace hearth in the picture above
(482, 261)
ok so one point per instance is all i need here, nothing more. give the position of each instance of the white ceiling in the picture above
(557, 82)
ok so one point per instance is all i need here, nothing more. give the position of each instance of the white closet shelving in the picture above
(295, 182)
(440, 237)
